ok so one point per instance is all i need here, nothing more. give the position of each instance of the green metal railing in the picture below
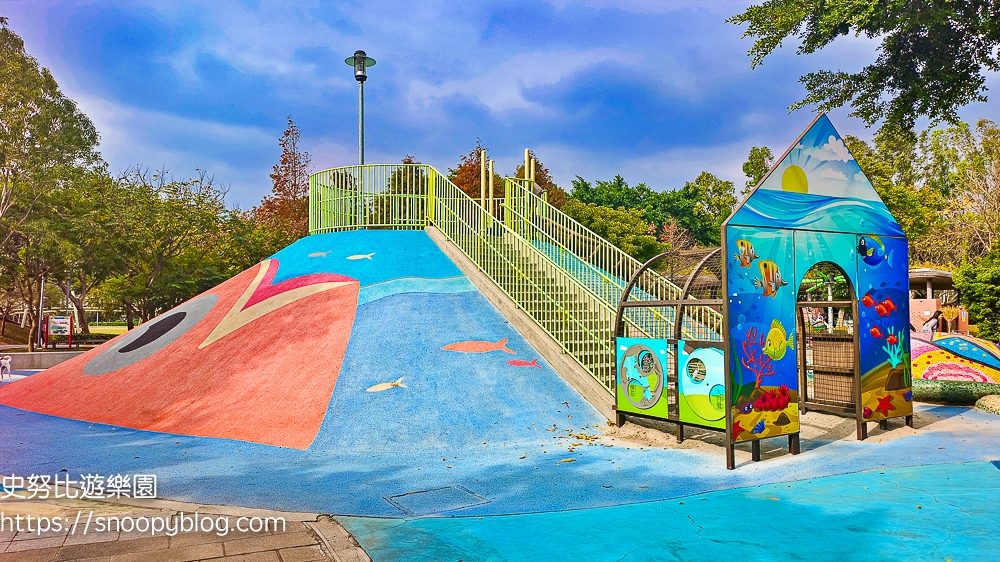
(601, 266)
(403, 196)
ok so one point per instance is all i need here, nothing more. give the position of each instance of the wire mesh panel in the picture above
(826, 324)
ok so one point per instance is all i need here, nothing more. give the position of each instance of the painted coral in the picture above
(894, 347)
(753, 359)
(773, 400)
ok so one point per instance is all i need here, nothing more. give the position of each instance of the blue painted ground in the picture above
(940, 512)
(460, 427)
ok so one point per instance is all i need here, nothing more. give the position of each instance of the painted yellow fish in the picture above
(778, 341)
(386, 385)
(770, 278)
(745, 254)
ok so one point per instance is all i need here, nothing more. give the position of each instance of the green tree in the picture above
(701, 206)
(286, 209)
(758, 163)
(625, 228)
(931, 60)
(979, 284)
(45, 143)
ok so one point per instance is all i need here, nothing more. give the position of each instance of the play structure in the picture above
(954, 358)
(803, 307)
(811, 283)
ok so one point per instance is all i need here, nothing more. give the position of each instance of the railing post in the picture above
(431, 178)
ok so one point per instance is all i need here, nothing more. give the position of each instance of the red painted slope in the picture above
(268, 381)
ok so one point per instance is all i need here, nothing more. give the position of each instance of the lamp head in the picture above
(360, 61)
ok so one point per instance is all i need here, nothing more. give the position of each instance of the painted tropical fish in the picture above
(745, 253)
(875, 332)
(747, 408)
(873, 251)
(770, 278)
(778, 341)
(759, 428)
(867, 300)
(891, 340)
(523, 363)
(889, 305)
(319, 254)
(361, 256)
(476, 346)
(880, 309)
(386, 385)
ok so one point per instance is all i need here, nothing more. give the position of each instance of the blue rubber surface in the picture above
(941, 512)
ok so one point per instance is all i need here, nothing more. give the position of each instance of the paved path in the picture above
(305, 537)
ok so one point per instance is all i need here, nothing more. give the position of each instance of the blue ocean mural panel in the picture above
(818, 186)
(761, 307)
(884, 327)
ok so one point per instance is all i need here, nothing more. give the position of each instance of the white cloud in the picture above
(503, 88)
(860, 176)
(832, 174)
(834, 149)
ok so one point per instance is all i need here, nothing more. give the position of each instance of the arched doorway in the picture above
(828, 344)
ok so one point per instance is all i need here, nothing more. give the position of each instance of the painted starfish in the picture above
(737, 429)
(885, 404)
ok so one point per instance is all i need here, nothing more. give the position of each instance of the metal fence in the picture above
(603, 267)
(404, 196)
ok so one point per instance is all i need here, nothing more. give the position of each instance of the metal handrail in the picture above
(402, 196)
(602, 265)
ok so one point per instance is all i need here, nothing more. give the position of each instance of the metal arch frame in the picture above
(624, 303)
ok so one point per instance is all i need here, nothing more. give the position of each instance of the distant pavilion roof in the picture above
(940, 279)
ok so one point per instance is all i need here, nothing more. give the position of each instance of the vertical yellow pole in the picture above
(490, 199)
(482, 177)
(525, 176)
(532, 169)
(431, 203)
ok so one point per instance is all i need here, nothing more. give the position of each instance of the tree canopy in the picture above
(932, 55)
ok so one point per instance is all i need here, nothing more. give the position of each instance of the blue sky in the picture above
(653, 90)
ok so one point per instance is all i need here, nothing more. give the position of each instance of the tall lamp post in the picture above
(360, 61)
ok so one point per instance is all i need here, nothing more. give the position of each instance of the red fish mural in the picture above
(198, 369)
(875, 332)
(477, 346)
(523, 363)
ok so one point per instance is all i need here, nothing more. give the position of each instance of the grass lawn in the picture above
(108, 329)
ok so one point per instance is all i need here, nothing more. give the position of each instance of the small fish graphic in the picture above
(747, 408)
(908, 396)
(891, 340)
(770, 278)
(875, 332)
(889, 305)
(745, 254)
(476, 346)
(361, 256)
(319, 254)
(867, 300)
(873, 251)
(881, 310)
(523, 363)
(759, 428)
(386, 385)
(778, 341)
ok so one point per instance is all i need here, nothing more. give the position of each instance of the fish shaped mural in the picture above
(319, 254)
(872, 251)
(778, 341)
(867, 300)
(745, 253)
(888, 305)
(523, 363)
(477, 346)
(875, 332)
(361, 256)
(398, 383)
(770, 278)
